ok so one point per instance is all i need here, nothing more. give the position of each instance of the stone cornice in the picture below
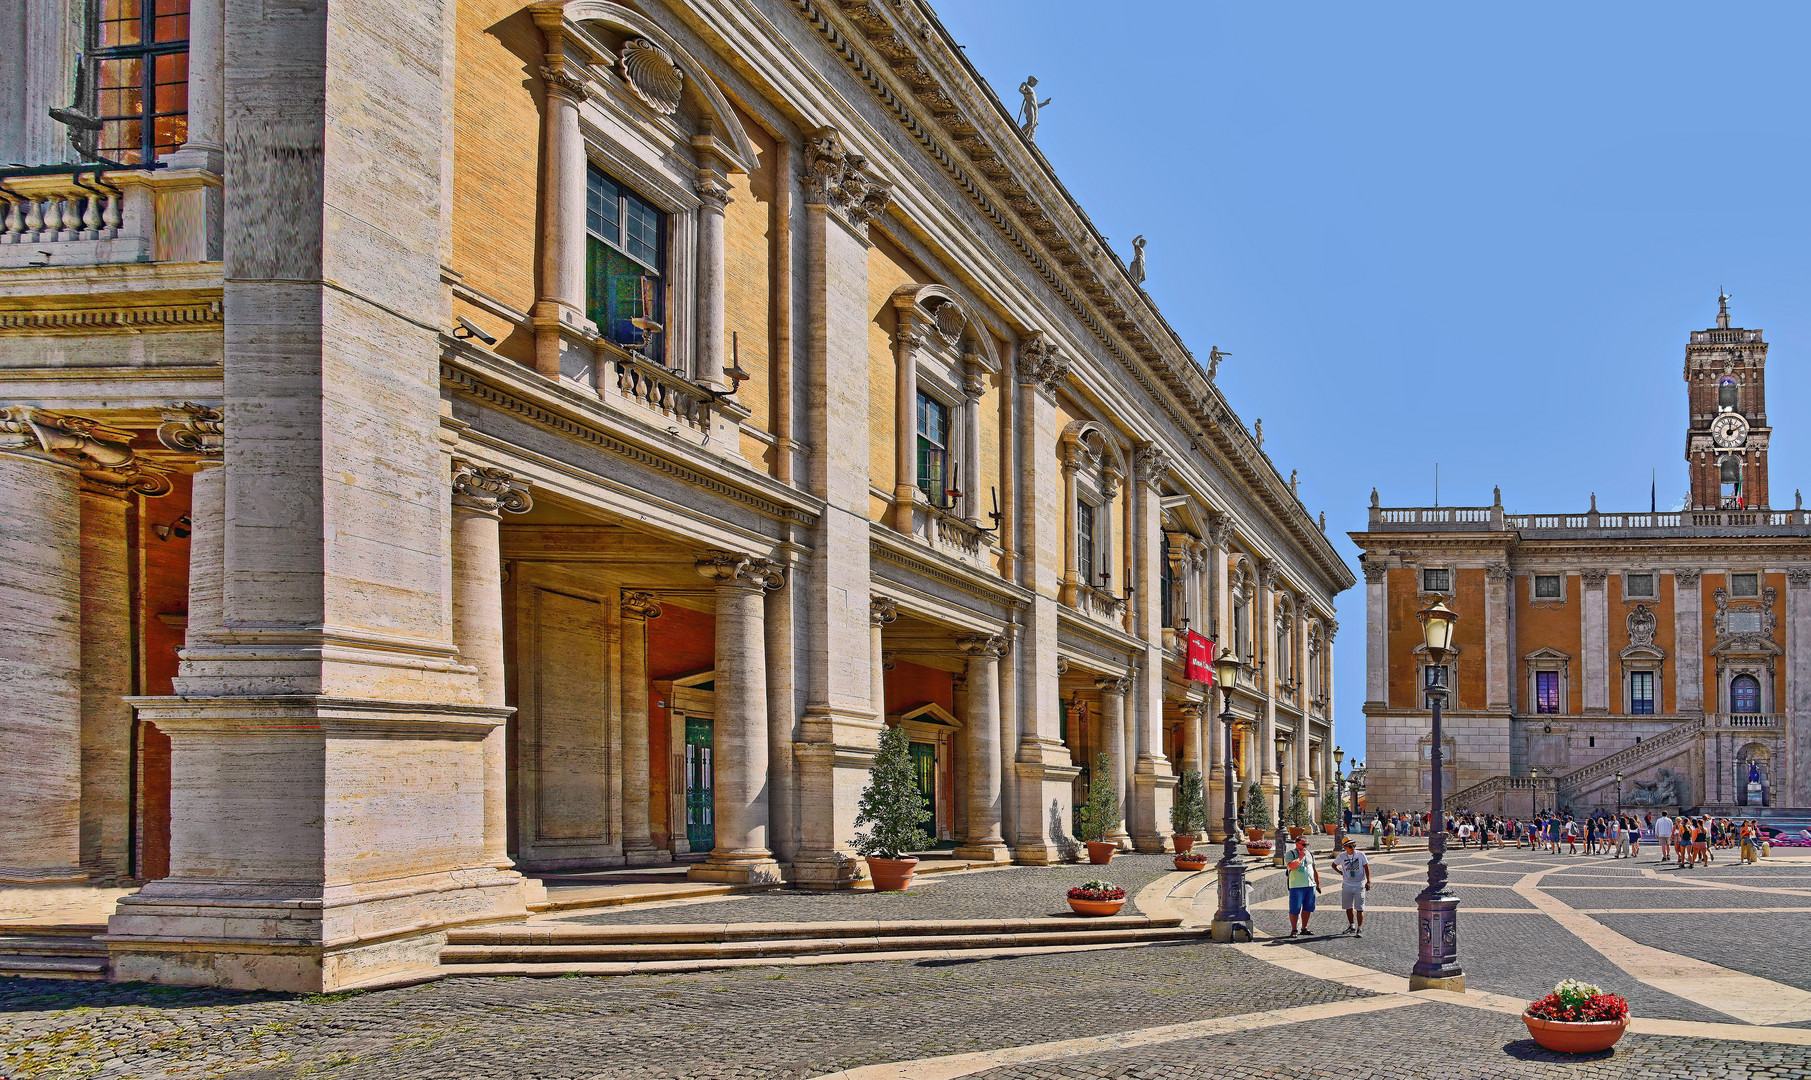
(195, 315)
(1064, 249)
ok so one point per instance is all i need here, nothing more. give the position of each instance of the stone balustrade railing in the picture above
(1747, 720)
(1659, 524)
(54, 219)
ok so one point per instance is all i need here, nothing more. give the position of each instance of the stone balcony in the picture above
(1675, 524)
(55, 217)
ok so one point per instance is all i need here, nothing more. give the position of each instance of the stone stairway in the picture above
(563, 948)
(1574, 785)
(31, 951)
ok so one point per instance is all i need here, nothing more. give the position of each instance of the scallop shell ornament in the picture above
(653, 75)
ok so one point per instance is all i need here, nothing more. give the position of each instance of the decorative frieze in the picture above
(192, 316)
(838, 178)
(490, 490)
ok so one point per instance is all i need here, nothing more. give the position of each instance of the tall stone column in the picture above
(883, 611)
(1193, 731)
(1304, 765)
(638, 834)
(906, 342)
(1377, 629)
(40, 671)
(838, 729)
(1268, 775)
(1688, 642)
(1797, 767)
(480, 494)
(713, 200)
(107, 680)
(1113, 693)
(1153, 780)
(1497, 658)
(981, 727)
(1045, 772)
(1219, 603)
(1595, 614)
(739, 736)
(560, 309)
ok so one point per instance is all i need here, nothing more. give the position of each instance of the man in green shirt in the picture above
(1304, 882)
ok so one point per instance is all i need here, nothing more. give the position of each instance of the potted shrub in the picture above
(1099, 814)
(1189, 815)
(1330, 811)
(1097, 897)
(1577, 1018)
(1192, 861)
(894, 809)
(1296, 818)
(1256, 820)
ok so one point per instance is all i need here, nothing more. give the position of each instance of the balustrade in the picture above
(89, 218)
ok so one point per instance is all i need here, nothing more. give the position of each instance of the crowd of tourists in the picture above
(1685, 841)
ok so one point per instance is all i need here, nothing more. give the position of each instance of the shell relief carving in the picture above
(653, 74)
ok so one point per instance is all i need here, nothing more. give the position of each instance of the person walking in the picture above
(1748, 852)
(1625, 845)
(1354, 881)
(1304, 883)
(1635, 836)
(1663, 831)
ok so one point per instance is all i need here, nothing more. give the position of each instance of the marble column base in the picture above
(737, 870)
(984, 851)
(842, 870)
(648, 856)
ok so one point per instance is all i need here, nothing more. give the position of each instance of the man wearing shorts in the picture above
(1354, 881)
(1304, 882)
(1663, 831)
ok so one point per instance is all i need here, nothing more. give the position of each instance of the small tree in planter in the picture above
(1189, 814)
(1330, 808)
(1100, 813)
(1297, 817)
(1257, 820)
(894, 808)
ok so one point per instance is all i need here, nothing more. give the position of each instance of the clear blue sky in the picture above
(1477, 234)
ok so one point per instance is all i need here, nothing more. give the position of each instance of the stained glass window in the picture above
(625, 260)
(141, 78)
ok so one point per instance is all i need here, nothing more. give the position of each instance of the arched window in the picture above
(1744, 694)
(1726, 393)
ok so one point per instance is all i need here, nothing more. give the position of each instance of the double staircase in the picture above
(1504, 794)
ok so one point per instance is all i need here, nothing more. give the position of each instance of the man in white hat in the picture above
(1354, 881)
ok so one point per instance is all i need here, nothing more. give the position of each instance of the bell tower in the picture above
(1726, 440)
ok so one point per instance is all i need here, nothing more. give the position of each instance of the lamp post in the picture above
(1279, 851)
(1437, 909)
(1339, 800)
(1231, 918)
(1534, 794)
(1618, 794)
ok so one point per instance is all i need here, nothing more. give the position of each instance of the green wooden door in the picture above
(924, 766)
(700, 815)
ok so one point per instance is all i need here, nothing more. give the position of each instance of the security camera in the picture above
(466, 329)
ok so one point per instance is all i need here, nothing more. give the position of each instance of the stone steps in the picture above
(557, 949)
(52, 952)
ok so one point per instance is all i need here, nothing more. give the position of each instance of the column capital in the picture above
(103, 455)
(1332, 626)
(992, 646)
(1039, 364)
(712, 193)
(1150, 463)
(1687, 578)
(838, 178)
(1594, 577)
(1220, 530)
(640, 605)
(562, 84)
(1268, 573)
(1497, 572)
(1192, 710)
(1115, 686)
(190, 427)
(488, 490)
(882, 610)
(1798, 577)
(1374, 572)
(730, 569)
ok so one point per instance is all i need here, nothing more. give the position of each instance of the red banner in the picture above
(1199, 667)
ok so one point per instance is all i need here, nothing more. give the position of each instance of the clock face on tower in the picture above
(1729, 430)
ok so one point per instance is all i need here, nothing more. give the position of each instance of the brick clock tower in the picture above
(1726, 444)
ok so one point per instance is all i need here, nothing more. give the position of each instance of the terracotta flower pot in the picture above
(1193, 866)
(1256, 836)
(1099, 852)
(1183, 842)
(1296, 832)
(1331, 830)
(891, 875)
(1567, 1037)
(1096, 907)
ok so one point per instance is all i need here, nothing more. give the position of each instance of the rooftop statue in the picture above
(1028, 112)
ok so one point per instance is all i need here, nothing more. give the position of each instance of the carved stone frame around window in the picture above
(1547, 659)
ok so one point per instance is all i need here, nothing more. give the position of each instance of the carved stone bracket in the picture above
(194, 429)
(640, 605)
(1039, 363)
(742, 571)
(983, 645)
(489, 490)
(1111, 685)
(104, 455)
(838, 178)
(882, 611)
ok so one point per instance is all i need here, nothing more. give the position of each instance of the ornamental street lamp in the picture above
(1437, 909)
(1619, 795)
(1339, 800)
(1231, 919)
(1534, 796)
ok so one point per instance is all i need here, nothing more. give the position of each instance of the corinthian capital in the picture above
(731, 569)
(1594, 578)
(1110, 685)
(1150, 463)
(1374, 572)
(988, 645)
(561, 83)
(104, 455)
(838, 178)
(195, 429)
(482, 488)
(1687, 579)
(712, 192)
(1039, 363)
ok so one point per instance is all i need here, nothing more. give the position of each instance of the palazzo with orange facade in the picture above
(1606, 660)
(499, 440)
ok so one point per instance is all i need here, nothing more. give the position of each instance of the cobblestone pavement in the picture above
(1428, 1042)
(1011, 893)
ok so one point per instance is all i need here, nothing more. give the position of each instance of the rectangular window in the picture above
(1238, 631)
(1546, 692)
(1546, 587)
(1639, 586)
(1641, 693)
(141, 78)
(1084, 542)
(1166, 583)
(625, 260)
(1744, 585)
(1436, 580)
(933, 449)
